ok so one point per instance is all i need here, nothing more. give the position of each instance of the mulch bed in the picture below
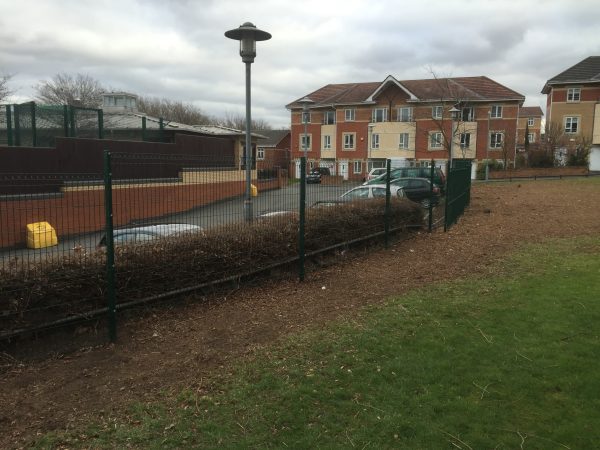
(187, 344)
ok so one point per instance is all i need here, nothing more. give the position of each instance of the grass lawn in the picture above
(510, 362)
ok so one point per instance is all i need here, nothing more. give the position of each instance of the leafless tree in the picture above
(450, 95)
(172, 110)
(507, 148)
(238, 122)
(5, 90)
(65, 89)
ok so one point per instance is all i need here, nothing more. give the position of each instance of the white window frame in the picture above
(465, 140)
(305, 117)
(355, 165)
(531, 137)
(403, 141)
(497, 142)
(375, 140)
(405, 109)
(349, 141)
(496, 112)
(574, 95)
(568, 124)
(436, 143)
(309, 142)
(530, 121)
(328, 114)
(375, 112)
(260, 153)
(326, 142)
(350, 115)
(437, 112)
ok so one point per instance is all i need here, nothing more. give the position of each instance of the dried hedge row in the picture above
(76, 284)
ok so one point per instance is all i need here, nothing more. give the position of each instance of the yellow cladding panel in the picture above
(457, 151)
(328, 130)
(41, 235)
(389, 140)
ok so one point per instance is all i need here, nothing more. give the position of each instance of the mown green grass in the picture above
(496, 363)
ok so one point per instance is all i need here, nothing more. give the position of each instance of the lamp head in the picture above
(248, 34)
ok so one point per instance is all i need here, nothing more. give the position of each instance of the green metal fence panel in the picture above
(50, 124)
(458, 191)
(86, 122)
(6, 136)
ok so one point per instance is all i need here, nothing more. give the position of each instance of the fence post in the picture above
(387, 202)
(17, 127)
(33, 126)
(9, 131)
(143, 128)
(110, 249)
(431, 176)
(66, 119)
(72, 121)
(100, 124)
(161, 126)
(448, 196)
(302, 218)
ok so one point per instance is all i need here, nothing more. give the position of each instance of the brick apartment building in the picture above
(530, 122)
(573, 105)
(354, 127)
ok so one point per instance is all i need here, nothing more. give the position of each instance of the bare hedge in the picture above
(76, 284)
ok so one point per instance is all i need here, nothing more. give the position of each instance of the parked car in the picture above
(418, 190)
(316, 174)
(376, 172)
(141, 235)
(372, 191)
(413, 172)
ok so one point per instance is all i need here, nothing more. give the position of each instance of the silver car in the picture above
(140, 235)
(372, 191)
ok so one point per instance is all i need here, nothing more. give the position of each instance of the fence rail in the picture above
(124, 241)
(34, 125)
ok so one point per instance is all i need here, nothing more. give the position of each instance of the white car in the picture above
(372, 191)
(140, 235)
(376, 172)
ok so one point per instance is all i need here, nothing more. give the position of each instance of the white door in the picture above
(595, 159)
(298, 169)
(343, 165)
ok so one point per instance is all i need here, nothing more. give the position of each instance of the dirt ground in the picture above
(187, 344)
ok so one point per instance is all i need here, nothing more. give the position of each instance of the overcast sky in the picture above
(176, 48)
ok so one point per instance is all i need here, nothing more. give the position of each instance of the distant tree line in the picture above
(85, 91)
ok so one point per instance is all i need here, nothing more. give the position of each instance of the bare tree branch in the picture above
(5, 91)
(175, 111)
(65, 89)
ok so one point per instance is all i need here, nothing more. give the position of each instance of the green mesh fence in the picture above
(458, 191)
(50, 122)
(4, 118)
(24, 124)
(85, 123)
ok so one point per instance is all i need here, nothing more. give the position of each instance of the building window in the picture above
(306, 117)
(465, 140)
(357, 167)
(573, 94)
(329, 117)
(437, 112)
(530, 121)
(467, 114)
(531, 137)
(571, 125)
(496, 140)
(496, 112)
(403, 140)
(326, 142)
(379, 115)
(405, 114)
(348, 141)
(303, 142)
(260, 153)
(375, 140)
(435, 140)
(349, 115)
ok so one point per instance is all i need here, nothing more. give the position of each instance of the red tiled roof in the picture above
(465, 88)
(531, 111)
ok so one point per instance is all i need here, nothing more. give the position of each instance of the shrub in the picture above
(75, 284)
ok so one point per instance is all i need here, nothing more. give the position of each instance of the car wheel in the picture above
(425, 203)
